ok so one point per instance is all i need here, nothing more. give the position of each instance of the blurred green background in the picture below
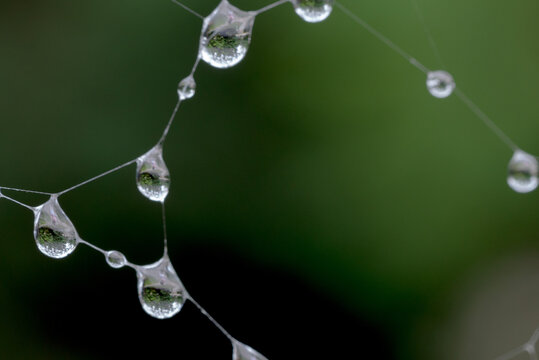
(321, 156)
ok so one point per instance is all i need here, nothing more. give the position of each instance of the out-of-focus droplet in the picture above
(313, 11)
(153, 177)
(522, 172)
(440, 84)
(160, 290)
(226, 35)
(245, 352)
(115, 259)
(55, 234)
(187, 87)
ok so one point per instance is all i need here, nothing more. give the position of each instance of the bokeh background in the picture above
(323, 205)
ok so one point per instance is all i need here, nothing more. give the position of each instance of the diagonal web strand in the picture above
(188, 9)
(97, 177)
(428, 33)
(486, 120)
(382, 38)
(24, 190)
(270, 6)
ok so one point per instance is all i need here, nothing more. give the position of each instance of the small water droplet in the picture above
(440, 84)
(313, 11)
(55, 234)
(523, 172)
(186, 88)
(153, 177)
(115, 259)
(226, 35)
(245, 352)
(160, 290)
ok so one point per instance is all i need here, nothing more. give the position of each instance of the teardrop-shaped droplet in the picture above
(440, 84)
(160, 290)
(187, 87)
(313, 11)
(244, 352)
(523, 172)
(115, 259)
(55, 234)
(153, 177)
(226, 35)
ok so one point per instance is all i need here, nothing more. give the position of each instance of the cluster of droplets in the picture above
(224, 42)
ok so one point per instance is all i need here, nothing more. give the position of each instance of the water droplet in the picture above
(153, 177)
(55, 234)
(244, 352)
(115, 259)
(523, 172)
(160, 291)
(440, 84)
(313, 11)
(226, 35)
(186, 88)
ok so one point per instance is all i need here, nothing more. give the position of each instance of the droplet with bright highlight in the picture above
(187, 87)
(226, 35)
(54, 233)
(115, 259)
(523, 172)
(160, 290)
(313, 11)
(153, 177)
(245, 352)
(440, 84)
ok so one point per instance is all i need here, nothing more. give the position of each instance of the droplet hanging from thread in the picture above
(160, 291)
(313, 11)
(153, 177)
(54, 233)
(187, 88)
(440, 84)
(522, 171)
(241, 351)
(226, 35)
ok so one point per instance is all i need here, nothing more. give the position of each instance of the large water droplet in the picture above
(440, 84)
(313, 10)
(153, 177)
(226, 35)
(244, 352)
(115, 259)
(187, 87)
(54, 233)
(160, 291)
(523, 172)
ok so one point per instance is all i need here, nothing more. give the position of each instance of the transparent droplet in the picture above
(226, 35)
(440, 84)
(523, 172)
(153, 177)
(244, 352)
(313, 10)
(160, 291)
(55, 234)
(186, 88)
(115, 259)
